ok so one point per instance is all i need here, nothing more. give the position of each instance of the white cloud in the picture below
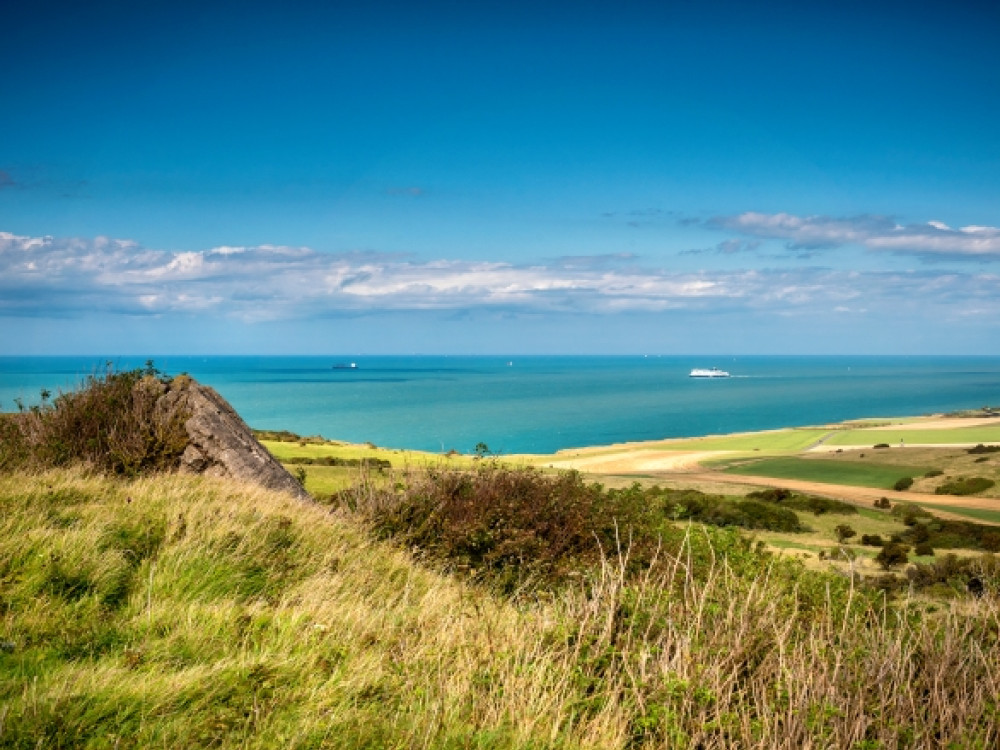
(46, 276)
(935, 238)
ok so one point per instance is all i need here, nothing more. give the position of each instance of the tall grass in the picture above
(183, 612)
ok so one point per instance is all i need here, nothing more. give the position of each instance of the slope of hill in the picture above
(181, 611)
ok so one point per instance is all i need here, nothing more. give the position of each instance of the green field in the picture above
(955, 435)
(989, 516)
(776, 441)
(854, 473)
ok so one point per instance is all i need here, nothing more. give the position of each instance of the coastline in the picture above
(544, 404)
(688, 454)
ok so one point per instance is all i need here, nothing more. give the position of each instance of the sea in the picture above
(541, 404)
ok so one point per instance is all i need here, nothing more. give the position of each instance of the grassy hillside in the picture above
(179, 612)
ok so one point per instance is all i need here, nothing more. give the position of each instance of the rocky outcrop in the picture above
(219, 442)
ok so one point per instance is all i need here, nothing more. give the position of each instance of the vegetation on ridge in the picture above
(109, 424)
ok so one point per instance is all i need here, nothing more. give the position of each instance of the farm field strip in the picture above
(936, 436)
(854, 473)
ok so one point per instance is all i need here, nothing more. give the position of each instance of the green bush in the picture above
(518, 529)
(844, 532)
(909, 510)
(954, 571)
(941, 533)
(903, 484)
(508, 527)
(965, 486)
(110, 424)
(872, 540)
(984, 449)
(933, 473)
(379, 464)
(892, 555)
(796, 501)
(716, 510)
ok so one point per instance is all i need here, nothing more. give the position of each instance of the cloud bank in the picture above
(50, 277)
(876, 233)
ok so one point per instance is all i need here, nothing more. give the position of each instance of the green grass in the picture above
(322, 481)
(855, 473)
(954, 435)
(182, 612)
(777, 440)
(990, 516)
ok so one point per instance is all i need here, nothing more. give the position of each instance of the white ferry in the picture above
(715, 372)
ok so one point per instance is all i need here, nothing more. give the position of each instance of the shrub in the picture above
(990, 541)
(844, 532)
(110, 424)
(517, 528)
(949, 569)
(763, 516)
(909, 510)
(984, 449)
(278, 436)
(883, 503)
(368, 462)
(716, 510)
(902, 484)
(965, 486)
(881, 445)
(509, 527)
(946, 533)
(892, 555)
(923, 549)
(872, 540)
(919, 533)
(812, 503)
(933, 473)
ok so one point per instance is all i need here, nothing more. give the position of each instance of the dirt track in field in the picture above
(682, 466)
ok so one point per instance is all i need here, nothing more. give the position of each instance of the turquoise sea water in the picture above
(541, 404)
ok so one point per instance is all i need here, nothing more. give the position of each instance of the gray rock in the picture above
(220, 443)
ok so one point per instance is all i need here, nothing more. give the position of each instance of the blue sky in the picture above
(452, 177)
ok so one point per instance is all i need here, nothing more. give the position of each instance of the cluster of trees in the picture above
(797, 501)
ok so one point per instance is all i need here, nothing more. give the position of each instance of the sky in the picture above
(500, 177)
